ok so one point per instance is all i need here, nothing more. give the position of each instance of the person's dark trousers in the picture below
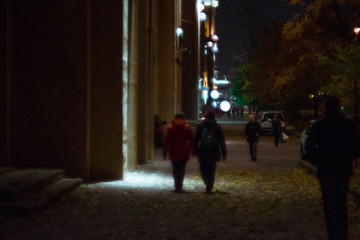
(207, 170)
(178, 173)
(334, 193)
(253, 150)
(277, 136)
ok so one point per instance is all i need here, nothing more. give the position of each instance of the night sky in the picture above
(232, 25)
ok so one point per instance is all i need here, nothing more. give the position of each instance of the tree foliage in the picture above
(315, 51)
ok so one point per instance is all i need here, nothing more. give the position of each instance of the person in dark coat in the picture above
(210, 147)
(332, 146)
(179, 144)
(276, 124)
(252, 133)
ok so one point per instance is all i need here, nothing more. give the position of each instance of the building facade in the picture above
(81, 81)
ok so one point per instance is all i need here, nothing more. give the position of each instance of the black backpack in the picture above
(208, 138)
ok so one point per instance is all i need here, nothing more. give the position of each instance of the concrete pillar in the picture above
(143, 80)
(150, 96)
(132, 130)
(190, 74)
(168, 81)
(125, 78)
(5, 77)
(141, 88)
(106, 160)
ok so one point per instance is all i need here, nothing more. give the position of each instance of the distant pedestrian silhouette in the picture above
(276, 124)
(179, 144)
(252, 133)
(210, 147)
(333, 145)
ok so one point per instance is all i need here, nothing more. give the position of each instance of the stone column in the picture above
(5, 78)
(141, 85)
(132, 117)
(168, 89)
(190, 58)
(106, 160)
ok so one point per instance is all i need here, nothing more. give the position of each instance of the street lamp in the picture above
(356, 31)
(203, 17)
(316, 97)
(209, 48)
(179, 37)
(215, 38)
(215, 48)
(211, 3)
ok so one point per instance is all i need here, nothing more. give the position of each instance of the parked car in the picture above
(304, 136)
(265, 121)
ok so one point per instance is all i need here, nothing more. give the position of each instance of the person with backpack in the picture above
(179, 144)
(252, 133)
(210, 147)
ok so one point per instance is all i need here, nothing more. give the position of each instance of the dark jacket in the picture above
(179, 141)
(333, 144)
(213, 154)
(252, 132)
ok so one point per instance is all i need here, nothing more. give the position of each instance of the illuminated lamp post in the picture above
(356, 31)
(215, 38)
(211, 3)
(215, 48)
(214, 94)
(203, 17)
(225, 106)
(179, 37)
(208, 47)
(316, 97)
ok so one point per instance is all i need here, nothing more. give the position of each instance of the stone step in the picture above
(17, 184)
(37, 202)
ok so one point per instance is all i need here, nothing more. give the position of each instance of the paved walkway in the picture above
(271, 199)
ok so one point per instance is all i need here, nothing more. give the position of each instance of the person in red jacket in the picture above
(178, 144)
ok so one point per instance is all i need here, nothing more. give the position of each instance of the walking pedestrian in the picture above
(252, 133)
(276, 124)
(210, 147)
(178, 144)
(332, 146)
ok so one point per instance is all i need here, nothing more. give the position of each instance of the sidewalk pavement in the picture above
(270, 199)
(354, 187)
